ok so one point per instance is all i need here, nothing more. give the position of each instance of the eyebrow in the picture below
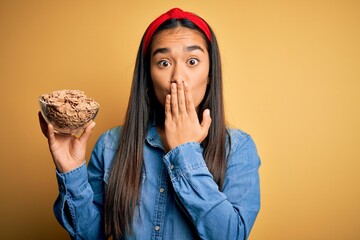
(194, 47)
(161, 50)
(187, 49)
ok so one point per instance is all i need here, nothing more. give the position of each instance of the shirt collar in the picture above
(153, 137)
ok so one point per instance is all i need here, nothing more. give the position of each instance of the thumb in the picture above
(43, 125)
(86, 134)
(206, 120)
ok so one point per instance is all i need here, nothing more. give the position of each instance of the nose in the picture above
(178, 74)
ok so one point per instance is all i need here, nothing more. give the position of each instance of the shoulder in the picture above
(240, 143)
(105, 150)
(237, 138)
(110, 138)
(236, 134)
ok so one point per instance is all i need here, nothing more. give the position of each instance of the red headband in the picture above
(175, 13)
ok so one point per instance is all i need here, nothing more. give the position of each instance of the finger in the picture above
(190, 107)
(181, 97)
(173, 100)
(43, 124)
(51, 134)
(206, 121)
(168, 107)
(86, 134)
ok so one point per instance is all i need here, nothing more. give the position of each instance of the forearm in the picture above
(216, 215)
(209, 209)
(75, 208)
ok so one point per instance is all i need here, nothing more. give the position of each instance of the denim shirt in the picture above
(179, 198)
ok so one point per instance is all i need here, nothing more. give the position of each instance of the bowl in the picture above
(69, 111)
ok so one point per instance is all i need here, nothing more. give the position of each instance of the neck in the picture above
(161, 132)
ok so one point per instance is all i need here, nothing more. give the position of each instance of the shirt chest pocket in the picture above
(143, 179)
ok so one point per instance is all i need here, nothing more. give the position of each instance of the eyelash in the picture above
(160, 63)
(194, 59)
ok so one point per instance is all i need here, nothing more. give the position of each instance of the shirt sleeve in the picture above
(226, 214)
(78, 207)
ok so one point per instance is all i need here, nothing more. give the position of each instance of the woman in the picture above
(172, 171)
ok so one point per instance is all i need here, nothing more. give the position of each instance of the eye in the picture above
(193, 61)
(164, 63)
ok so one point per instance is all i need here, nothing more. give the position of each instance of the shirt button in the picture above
(171, 167)
(161, 190)
(157, 228)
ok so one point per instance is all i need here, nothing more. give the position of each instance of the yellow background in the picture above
(292, 80)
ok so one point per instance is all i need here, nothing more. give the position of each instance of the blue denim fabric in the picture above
(179, 199)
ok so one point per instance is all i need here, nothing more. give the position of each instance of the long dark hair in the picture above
(123, 189)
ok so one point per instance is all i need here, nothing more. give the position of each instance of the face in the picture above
(178, 55)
